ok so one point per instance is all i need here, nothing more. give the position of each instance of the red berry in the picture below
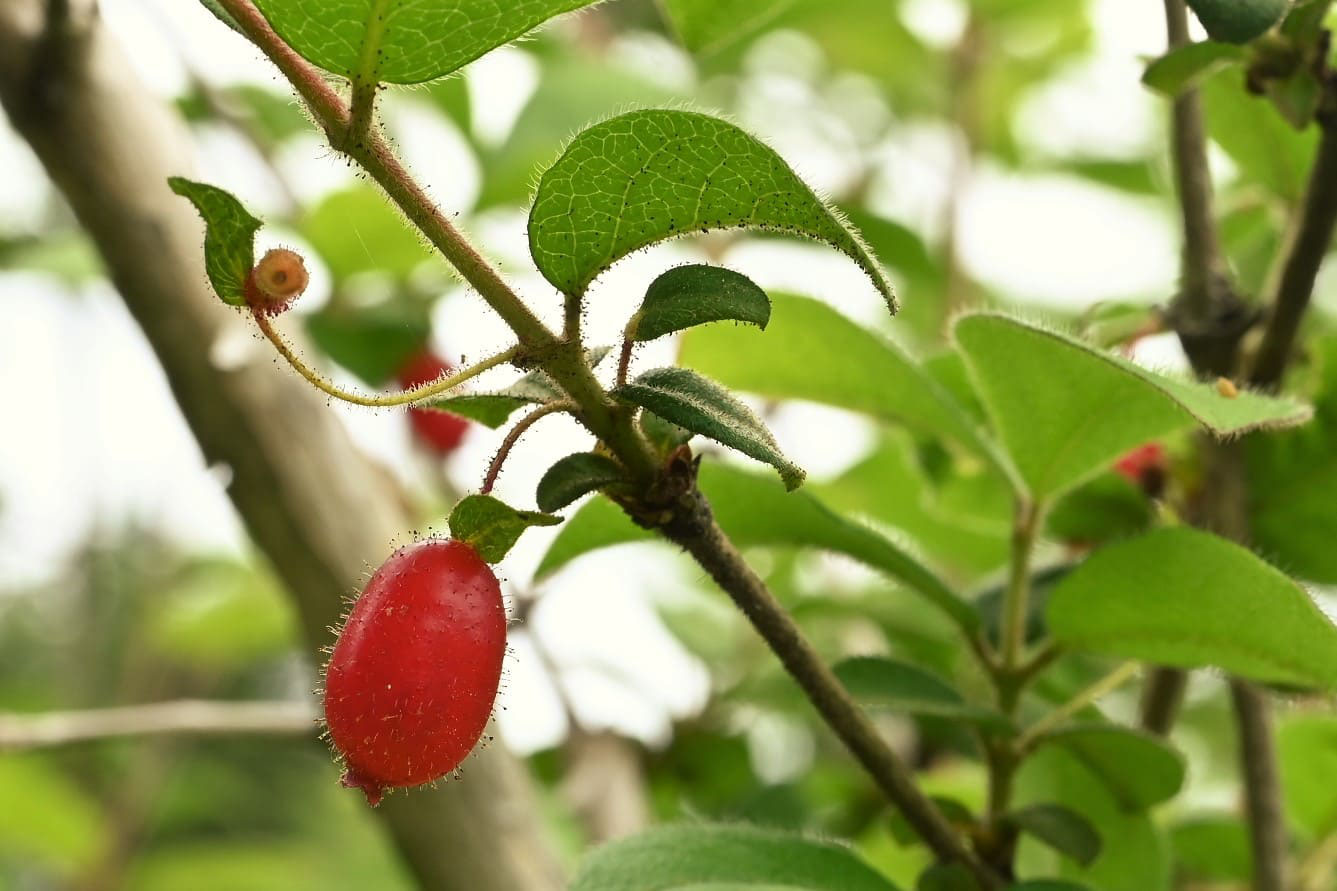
(1144, 467)
(276, 281)
(439, 430)
(410, 686)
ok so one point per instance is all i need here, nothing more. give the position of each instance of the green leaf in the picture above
(1100, 510)
(687, 296)
(1293, 483)
(1139, 770)
(707, 25)
(1238, 21)
(1134, 855)
(493, 409)
(971, 543)
(571, 93)
(664, 436)
(1065, 411)
(1048, 885)
(901, 687)
(756, 511)
(574, 476)
(698, 404)
(682, 857)
(1184, 67)
(404, 41)
(946, 877)
(1267, 149)
(356, 230)
(1213, 848)
(1061, 828)
(229, 237)
(1187, 598)
(491, 526)
(812, 352)
(373, 343)
(48, 820)
(1307, 751)
(640, 178)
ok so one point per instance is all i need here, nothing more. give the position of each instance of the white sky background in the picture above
(121, 450)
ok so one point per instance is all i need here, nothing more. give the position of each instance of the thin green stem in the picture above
(414, 396)
(1016, 601)
(1087, 696)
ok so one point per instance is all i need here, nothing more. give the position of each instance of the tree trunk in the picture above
(313, 504)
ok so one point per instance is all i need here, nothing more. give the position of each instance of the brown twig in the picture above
(1305, 248)
(191, 717)
(693, 527)
(513, 436)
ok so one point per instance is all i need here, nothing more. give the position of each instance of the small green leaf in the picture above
(687, 296)
(1134, 855)
(373, 343)
(574, 476)
(1213, 848)
(491, 526)
(1238, 21)
(1307, 751)
(946, 877)
(1184, 67)
(734, 856)
(707, 25)
(643, 177)
(229, 237)
(664, 436)
(404, 41)
(1293, 483)
(493, 409)
(1138, 769)
(1061, 828)
(901, 687)
(703, 406)
(1265, 147)
(1048, 885)
(810, 351)
(756, 511)
(1065, 410)
(1186, 598)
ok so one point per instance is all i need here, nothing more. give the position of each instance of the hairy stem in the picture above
(376, 157)
(1203, 269)
(1016, 600)
(1262, 785)
(513, 436)
(413, 396)
(1306, 246)
(695, 530)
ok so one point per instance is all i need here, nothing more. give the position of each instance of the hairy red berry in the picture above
(440, 431)
(276, 281)
(410, 686)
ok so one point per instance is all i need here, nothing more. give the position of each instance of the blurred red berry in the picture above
(411, 683)
(1145, 467)
(440, 431)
